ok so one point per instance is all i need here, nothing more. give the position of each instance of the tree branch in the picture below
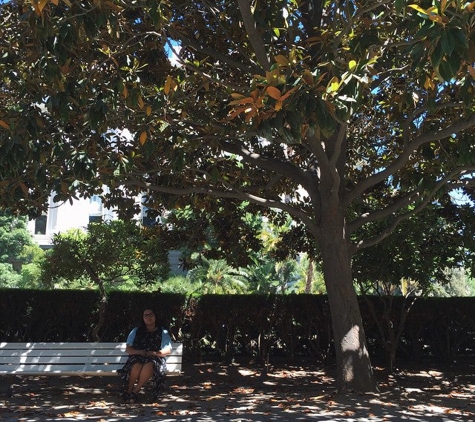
(400, 161)
(254, 36)
(408, 199)
(232, 193)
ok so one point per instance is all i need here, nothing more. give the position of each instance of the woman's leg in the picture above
(134, 376)
(146, 373)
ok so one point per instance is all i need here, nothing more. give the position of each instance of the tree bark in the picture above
(354, 370)
(308, 282)
(102, 310)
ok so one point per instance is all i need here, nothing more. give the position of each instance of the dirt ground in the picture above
(219, 392)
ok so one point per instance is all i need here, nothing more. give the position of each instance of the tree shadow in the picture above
(223, 392)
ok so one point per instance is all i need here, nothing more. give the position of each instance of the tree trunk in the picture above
(308, 283)
(354, 371)
(102, 310)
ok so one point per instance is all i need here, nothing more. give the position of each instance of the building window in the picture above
(40, 224)
(95, 219)
(95, 210)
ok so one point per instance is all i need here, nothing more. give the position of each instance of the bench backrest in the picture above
(72, 358)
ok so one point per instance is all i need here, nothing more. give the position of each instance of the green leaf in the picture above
(428, 30)
(446, 71)
(455, 62)
(437, 55)
(448, 42)
(461, 40)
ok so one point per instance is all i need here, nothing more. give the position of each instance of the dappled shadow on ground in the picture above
(218, 392)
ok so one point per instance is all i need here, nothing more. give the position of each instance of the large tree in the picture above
(341, 113)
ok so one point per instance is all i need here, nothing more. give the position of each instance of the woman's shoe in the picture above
(132, 398)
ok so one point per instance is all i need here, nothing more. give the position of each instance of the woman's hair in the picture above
(158, 321)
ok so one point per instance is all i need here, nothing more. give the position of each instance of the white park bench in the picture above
(84, 359)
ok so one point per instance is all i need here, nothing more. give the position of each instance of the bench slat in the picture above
(89, 354)
(5, 360)
(63, 345)
(104, 370)
(73, 346)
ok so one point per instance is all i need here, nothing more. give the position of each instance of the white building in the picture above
(64, 216)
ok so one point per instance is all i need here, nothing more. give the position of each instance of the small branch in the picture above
(411, 198)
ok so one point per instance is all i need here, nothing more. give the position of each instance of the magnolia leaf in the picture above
(352, 64)
(429, 84)
(4, 124)
(287, 94)
(143, 137)
(274, 92)
(308, 77)
(333, 85)
(448, 42)
(436, 18)
(245, 100)
(419, 9)
(237, 112)
(281, 60)
(41, 4)
(148, 110)
(168, 85)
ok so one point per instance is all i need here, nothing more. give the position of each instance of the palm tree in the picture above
(216, 276)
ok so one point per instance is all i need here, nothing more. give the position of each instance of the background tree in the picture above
(20, 257)
(249, 245)
(340, 113)
(458, 284)
(105, 255)
(14, 236)
(420, 256)
(214, 276)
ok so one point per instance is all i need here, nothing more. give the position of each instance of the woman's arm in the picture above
(131, 351)
(166, 346)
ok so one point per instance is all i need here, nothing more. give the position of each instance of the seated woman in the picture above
(147, 346)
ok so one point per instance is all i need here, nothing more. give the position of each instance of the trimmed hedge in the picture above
(220, 326)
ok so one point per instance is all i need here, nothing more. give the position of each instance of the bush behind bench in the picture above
(226, 326)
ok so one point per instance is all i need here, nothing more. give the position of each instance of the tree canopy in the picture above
(346, 115)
